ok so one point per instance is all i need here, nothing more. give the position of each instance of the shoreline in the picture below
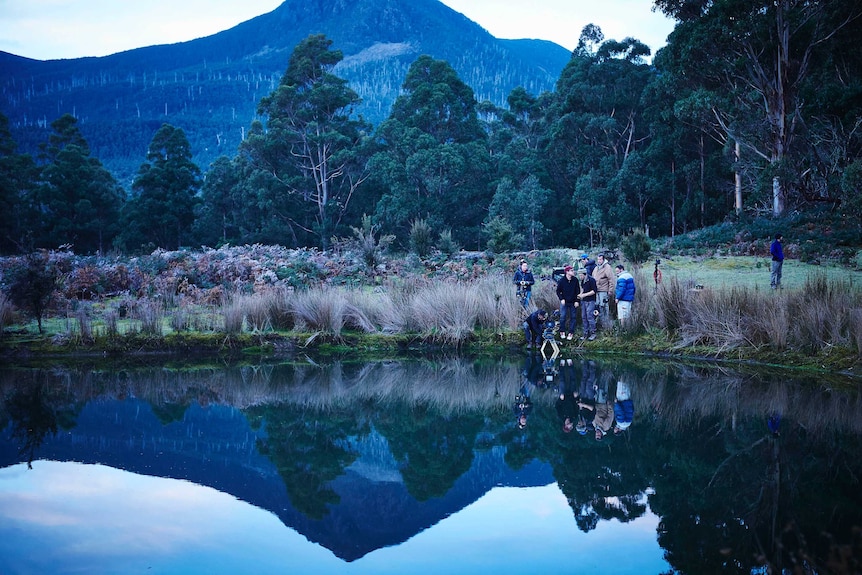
(272, 346)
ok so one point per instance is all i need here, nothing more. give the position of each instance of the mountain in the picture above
(216, 447)
(210, 87)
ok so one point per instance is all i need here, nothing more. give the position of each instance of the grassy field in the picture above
(743, 271)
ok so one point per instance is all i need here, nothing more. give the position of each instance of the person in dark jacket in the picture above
(568, 289)
(587, 298)
(587, 264)
(777, 253)
(534, 326)
(524, 281)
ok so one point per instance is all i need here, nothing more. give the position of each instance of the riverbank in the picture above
(273, 302)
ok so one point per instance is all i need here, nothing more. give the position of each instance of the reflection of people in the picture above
(624, 407)
(773, 423)
(523, 404)
(625, 292)
(549, 335)
(524, 282)
(567, 291)
(534, 327)
(567, 406)
(586, 397)
(777, 253)
(604, 417)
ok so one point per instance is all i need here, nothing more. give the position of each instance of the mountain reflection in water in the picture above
(726, 471)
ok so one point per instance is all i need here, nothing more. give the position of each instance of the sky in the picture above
(49, 29)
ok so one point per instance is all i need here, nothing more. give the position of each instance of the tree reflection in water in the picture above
(734, 493)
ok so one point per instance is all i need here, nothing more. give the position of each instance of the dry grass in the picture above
(811, 319)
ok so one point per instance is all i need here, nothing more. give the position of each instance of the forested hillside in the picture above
(751, 111)
(210, 87)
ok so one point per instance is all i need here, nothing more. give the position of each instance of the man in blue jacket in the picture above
(625, 293)
(777, 253)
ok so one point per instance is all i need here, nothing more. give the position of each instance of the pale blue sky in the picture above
(48, 29)
(71, 517)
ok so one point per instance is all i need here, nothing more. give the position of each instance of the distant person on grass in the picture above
(625, 293)
(777, 253)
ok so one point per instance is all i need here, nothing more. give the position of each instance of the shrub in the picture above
(501, 235)
(31, 282)
(447, 245)
(636, 247)
(420, 238)
(370, 247)
(151, 315)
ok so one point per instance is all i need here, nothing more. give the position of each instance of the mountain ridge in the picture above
(210, 86)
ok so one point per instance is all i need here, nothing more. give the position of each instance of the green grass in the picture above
(741, 271)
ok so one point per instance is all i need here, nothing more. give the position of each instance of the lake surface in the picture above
(435, 466)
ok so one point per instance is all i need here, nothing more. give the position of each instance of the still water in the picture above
(437, 466)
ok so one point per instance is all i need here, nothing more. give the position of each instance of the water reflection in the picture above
(742, 469)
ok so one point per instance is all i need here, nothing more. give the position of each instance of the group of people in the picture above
(592, 405)
(590, 295)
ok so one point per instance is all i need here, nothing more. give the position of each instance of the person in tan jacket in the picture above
(605, 282)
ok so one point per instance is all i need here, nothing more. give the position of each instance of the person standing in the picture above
(587, 264)
(588, 304)
(605, 280)
(625, 292)
(777, 252)
(568, 289)
(524, 283)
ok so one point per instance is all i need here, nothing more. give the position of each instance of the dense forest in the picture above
(752, 108)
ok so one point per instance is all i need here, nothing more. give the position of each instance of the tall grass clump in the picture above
(151, 316)
(371, 248)
(420, 238)
(671, 305)
(446, 312)
(85, 322)
(322, 310)
(234, 315)
(111, 322)
(374, 311)
(498, 308)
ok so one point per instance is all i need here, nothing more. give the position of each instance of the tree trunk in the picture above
(737, 180)
(777, 197)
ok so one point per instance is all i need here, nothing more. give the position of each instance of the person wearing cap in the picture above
(625, 292)
(568, 289)
(587, 264)
(587, 297)
(605, 280)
